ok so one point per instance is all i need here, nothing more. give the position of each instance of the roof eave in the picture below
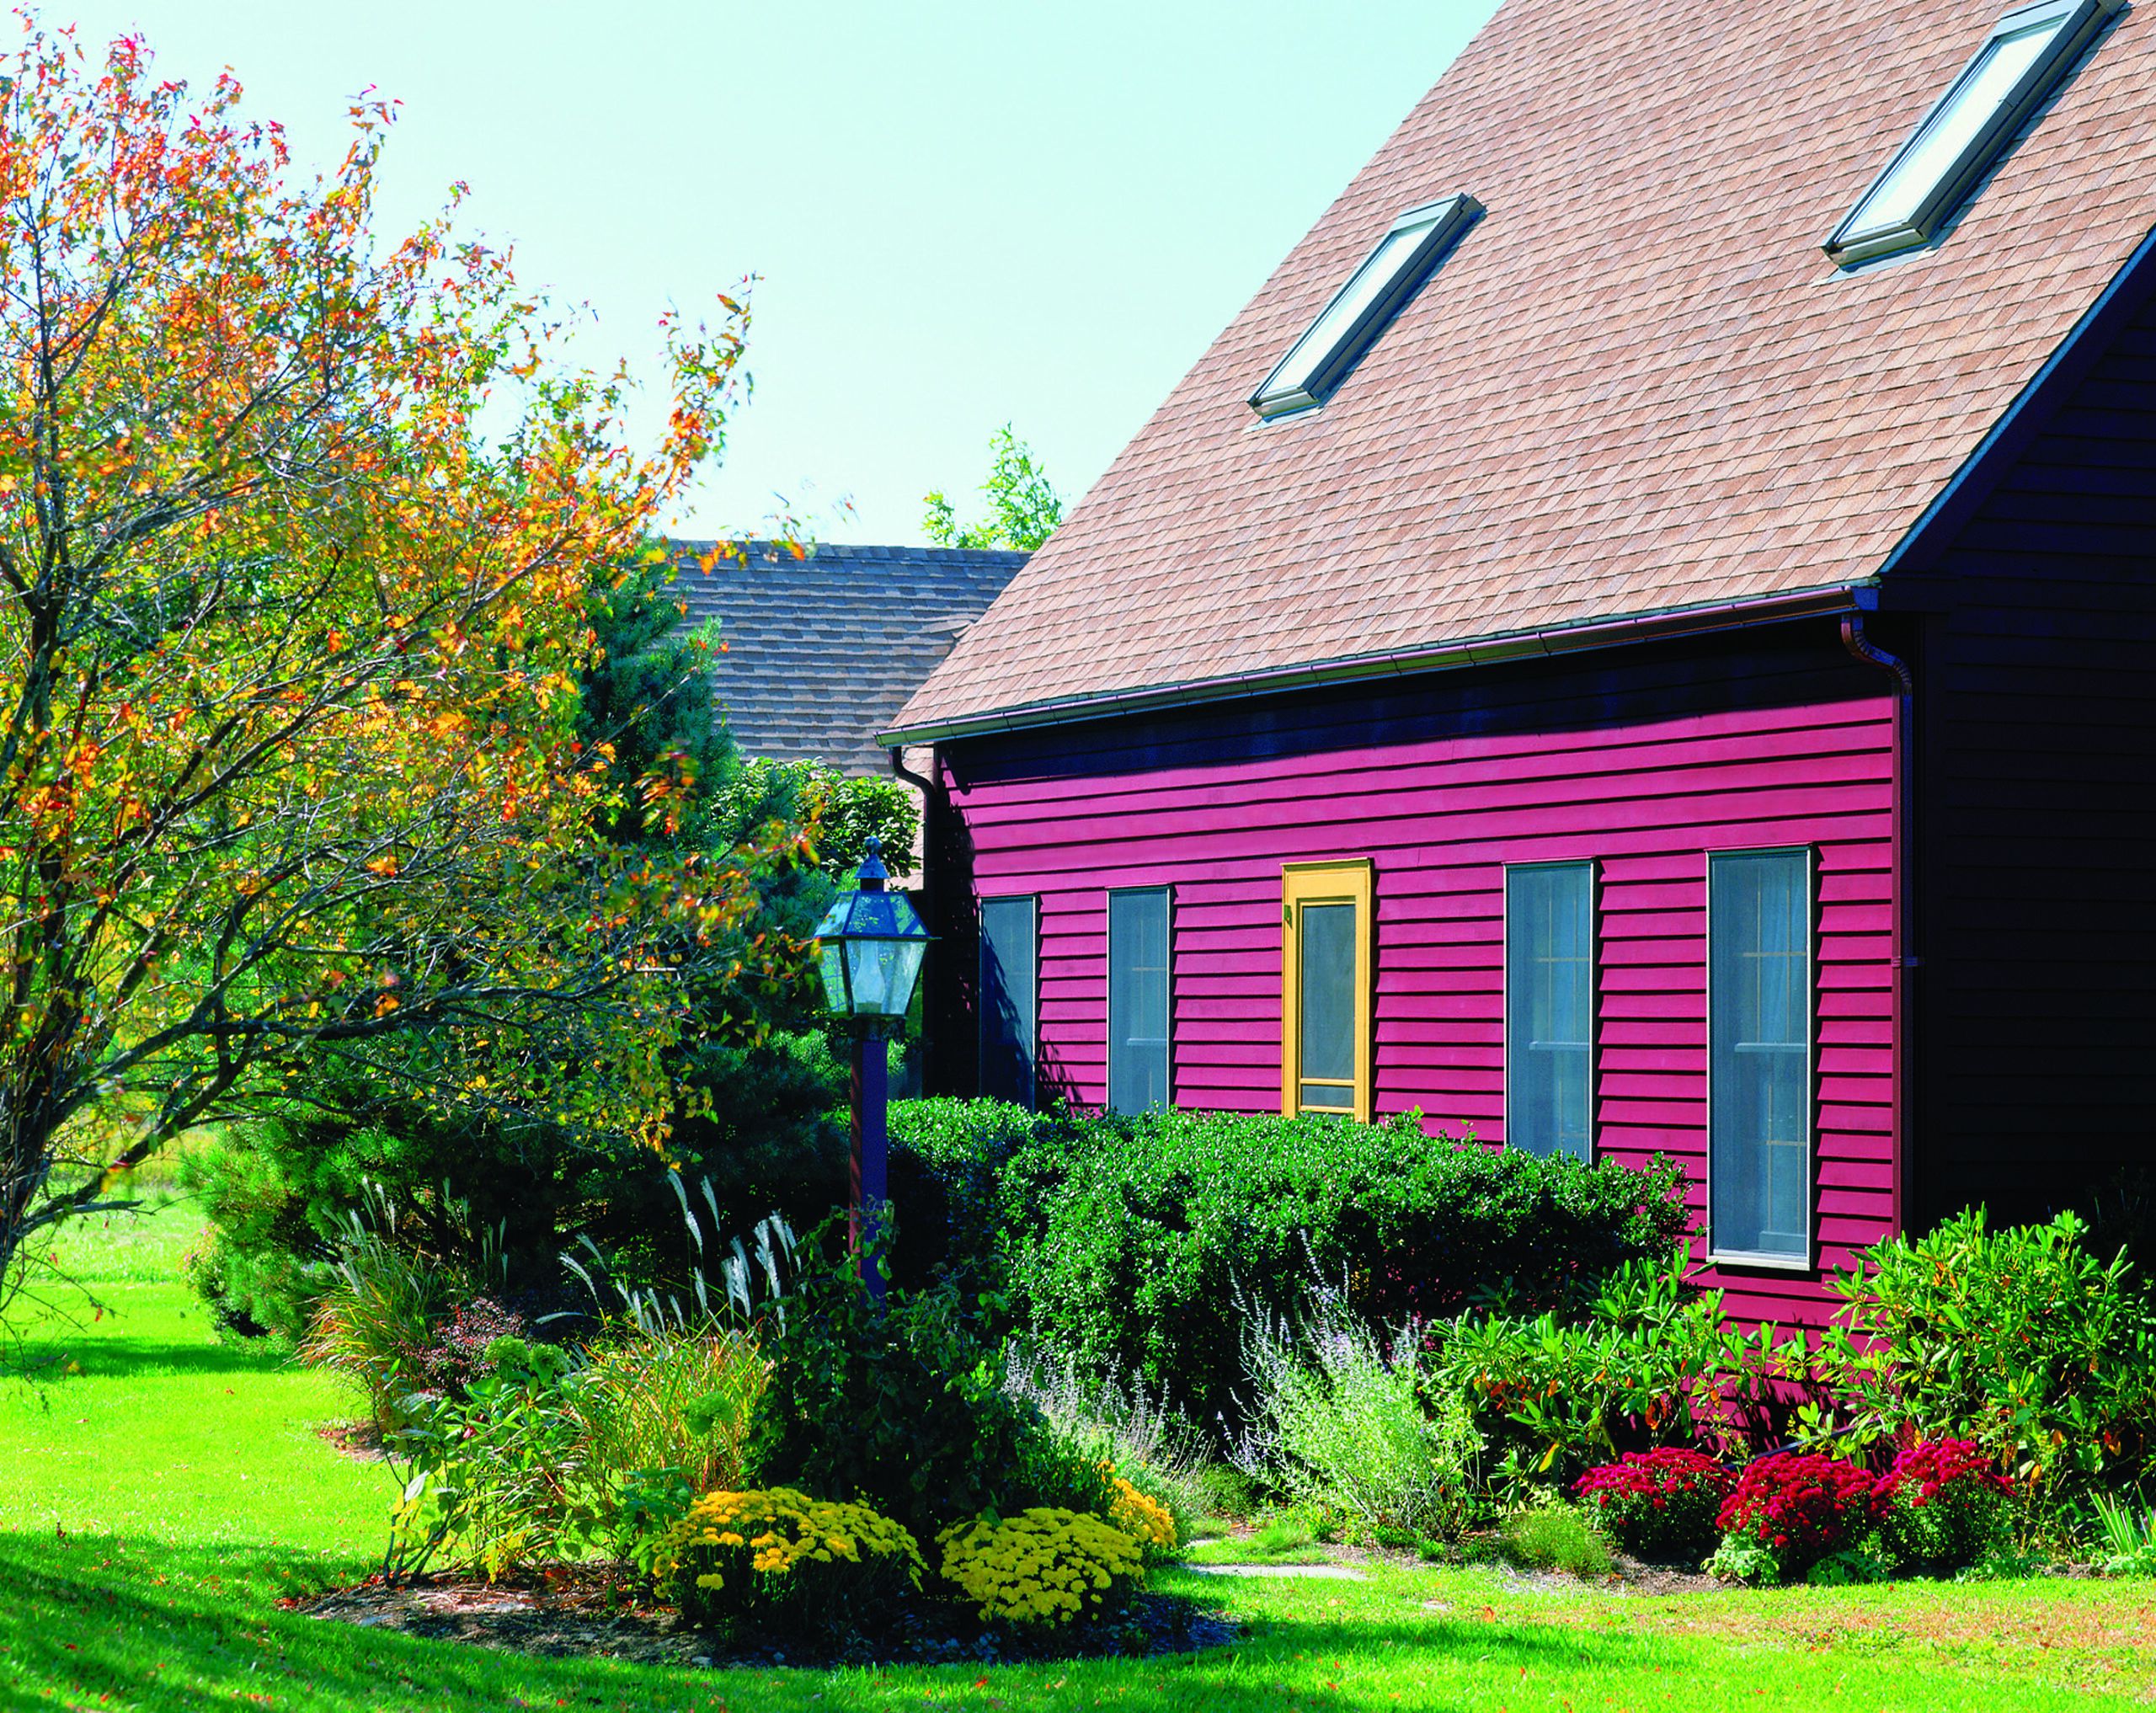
(1657, 624)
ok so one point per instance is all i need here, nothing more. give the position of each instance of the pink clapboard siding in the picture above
(1440, 817)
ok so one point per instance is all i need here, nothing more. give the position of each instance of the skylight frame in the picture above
(1307, 375)
(2075, 24)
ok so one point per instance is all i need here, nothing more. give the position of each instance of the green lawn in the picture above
(158, 1492)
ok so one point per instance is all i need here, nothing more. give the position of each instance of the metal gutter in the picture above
(1903, 953)
(1857, 595)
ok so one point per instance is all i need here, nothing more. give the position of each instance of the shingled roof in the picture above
(822, 651)
(1637, 386)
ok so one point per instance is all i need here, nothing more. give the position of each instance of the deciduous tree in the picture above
(290, 649)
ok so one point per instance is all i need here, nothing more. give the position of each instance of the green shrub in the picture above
(1225, 1490)
(1338, 1422)
(1141, 1244)
(1554, 1537)
(946, 1159)
(1647, 1362)
(903, 1406)
(2018, 1339)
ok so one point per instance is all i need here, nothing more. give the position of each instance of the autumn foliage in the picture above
(290, 647)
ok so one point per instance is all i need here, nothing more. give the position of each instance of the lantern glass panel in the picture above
(831, 965)
(882, 974)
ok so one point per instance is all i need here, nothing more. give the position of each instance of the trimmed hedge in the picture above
(1143, 1243)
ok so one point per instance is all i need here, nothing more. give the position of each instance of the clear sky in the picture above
(962, 211)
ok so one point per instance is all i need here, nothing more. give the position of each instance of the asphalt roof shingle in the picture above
(1638, 385)
(822, 651)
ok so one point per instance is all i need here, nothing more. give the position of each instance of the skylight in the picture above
(2021, 62)
(1345, 327)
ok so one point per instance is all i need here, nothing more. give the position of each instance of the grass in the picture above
(156, 1502)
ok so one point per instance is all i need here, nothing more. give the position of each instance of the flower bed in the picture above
(1661, 1505)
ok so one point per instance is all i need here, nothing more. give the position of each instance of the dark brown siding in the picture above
(2037, 676)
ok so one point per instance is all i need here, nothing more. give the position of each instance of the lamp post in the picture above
(868, 952)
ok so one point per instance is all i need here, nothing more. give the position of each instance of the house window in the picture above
(1405, 256)
(1760, 1054)
(1009, 1001)
(1140, 992)
(2028, 53)
(1324, 1060)
(1549, 1008)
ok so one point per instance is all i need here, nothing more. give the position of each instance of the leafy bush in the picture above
(487, 1472)
(1225, 1490)
(554, 1453)
(1660, 1504)
(947, 1161)
(1042, 1568)
(1646, 1361)
(1554, 1537)
(903, 1404)
(2021, 1340)
(779, 1564)
(456, 1353)
(1337, 1421)
(1943, 1506)
(1130, 1240)
(1795, 1508)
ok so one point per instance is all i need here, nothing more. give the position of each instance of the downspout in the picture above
(931, 799)
(1905, 958)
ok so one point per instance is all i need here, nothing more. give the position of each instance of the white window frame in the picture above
(1593, 987)
(2075, 23)
(1305, 378)
(1771, 1260)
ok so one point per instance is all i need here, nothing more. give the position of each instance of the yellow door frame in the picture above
(1351, 881)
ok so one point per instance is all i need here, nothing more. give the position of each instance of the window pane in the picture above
(1370, 279)
(1138, 1000)
(1007, 1000)
(1327, 1031)
(1758, 1021)
(1346, 324)
(1549, 1008)
(1935, 149)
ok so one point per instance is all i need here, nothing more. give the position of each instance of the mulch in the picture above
(590, 1611)
(360, 1440)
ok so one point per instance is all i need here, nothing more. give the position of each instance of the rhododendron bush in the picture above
(291, 646)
